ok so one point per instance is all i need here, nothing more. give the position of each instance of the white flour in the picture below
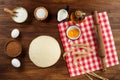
(41, 13)
(21, 15)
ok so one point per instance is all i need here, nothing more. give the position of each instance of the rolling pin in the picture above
(100, 42)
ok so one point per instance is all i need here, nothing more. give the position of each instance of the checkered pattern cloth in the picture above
(92, 61)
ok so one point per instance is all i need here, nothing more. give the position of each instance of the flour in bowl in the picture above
(21, 15)
(41, 13)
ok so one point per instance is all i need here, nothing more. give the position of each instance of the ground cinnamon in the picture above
(13, 48)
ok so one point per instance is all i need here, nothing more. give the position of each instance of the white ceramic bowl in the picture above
(21, 15)
(72, 28)
(62, 14)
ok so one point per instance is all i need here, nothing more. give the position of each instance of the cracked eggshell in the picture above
(16, 62)
(62, 14)
(15, 33)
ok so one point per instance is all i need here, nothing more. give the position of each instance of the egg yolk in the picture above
(73, 33)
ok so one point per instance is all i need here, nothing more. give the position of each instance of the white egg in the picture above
(16, 62)
(15, 33)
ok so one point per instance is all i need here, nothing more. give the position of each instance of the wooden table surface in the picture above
(33, 28)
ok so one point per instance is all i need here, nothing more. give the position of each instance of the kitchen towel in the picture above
(91, 62)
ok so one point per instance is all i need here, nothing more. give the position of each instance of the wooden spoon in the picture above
(11, 12)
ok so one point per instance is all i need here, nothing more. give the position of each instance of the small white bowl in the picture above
(62, 15)
(21, 15)
(72, 28)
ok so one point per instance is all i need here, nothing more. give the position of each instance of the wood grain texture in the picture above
(33, 28)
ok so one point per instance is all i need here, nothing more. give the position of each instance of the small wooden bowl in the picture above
(45, 15)
(18, 50)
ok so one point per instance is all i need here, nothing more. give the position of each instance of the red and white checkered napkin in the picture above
(90, 62)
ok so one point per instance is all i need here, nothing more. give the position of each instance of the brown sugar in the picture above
(13, 49)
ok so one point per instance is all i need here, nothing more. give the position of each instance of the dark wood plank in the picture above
(33, 28)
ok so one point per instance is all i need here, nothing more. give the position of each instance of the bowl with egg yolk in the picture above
(73, 32)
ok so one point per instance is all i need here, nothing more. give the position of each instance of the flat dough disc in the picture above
(44, 51)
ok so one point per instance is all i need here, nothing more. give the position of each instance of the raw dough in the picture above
(44, 51)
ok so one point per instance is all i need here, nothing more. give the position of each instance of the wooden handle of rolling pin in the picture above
(96, 18)
(100, 41)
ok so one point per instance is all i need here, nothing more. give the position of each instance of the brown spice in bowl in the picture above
(13, 48)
